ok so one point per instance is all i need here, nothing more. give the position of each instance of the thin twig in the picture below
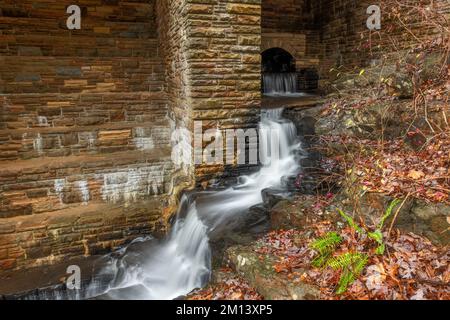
(397, 212)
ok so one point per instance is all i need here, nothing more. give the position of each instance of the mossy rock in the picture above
(427, 219)
(258, 271)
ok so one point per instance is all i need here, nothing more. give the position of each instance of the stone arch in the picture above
(277, 60)
(292, 43)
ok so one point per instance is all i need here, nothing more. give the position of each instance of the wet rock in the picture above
(256, 221)
(299, 213)
(337, 124)
(259, 273)
(286, 215)
(272, 196)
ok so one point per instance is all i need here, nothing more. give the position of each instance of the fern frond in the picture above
(360, 264)
(327, 243)
(350, 221)
(347, 260)
(321, 260)
(345, 280)
(325, 246)
(377, 235)
(352, 265)
(388, 212)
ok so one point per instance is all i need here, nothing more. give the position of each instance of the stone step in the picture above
(48, 141)
(93, 229)
(49, 184)
(23, 111)
(25, 74)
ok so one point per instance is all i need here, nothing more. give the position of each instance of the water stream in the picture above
(173, 267)
(280, 83)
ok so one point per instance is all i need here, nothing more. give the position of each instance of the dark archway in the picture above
(278, 72)
(277, 60)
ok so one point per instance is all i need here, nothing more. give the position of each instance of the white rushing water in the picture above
(280, 83)
(182, 262)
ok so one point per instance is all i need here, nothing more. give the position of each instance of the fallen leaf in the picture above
(416, 175)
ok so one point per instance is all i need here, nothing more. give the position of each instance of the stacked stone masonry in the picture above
(84, 133)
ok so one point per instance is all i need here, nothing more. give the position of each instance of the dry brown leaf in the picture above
(416, 174)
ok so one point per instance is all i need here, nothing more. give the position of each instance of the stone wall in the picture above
(87, 116)
(291, 25)
(286, 15)
(348, 43)
(340, 23)
(83, 129)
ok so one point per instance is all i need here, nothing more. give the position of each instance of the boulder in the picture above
(258, 271)
(431, 220)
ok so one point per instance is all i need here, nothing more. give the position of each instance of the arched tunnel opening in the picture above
(278, 72)
(277, 60)
(281, 77)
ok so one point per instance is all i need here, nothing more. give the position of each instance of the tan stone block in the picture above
(3, 254)
(248, 9)
(249, 40)
(114, 135)
(75, 83)
(251, 58)
(199, 8)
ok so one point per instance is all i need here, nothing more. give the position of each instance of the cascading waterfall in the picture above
(280, 83)
(182, 262)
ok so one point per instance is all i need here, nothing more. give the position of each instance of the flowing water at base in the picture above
(173, 267)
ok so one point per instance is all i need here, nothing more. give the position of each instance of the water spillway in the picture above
(151, 269)
(280, 83)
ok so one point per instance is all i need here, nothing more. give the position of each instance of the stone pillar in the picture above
(225, 64)
(213, 57)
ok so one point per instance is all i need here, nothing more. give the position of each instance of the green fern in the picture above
(345, 281)
(388, 212)
(325, 246)
(377, 235)
(360, 264)
(380, 249)
(326, 243)
(321, 260)
(351, 264)
(344, 260)
(350, 221)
